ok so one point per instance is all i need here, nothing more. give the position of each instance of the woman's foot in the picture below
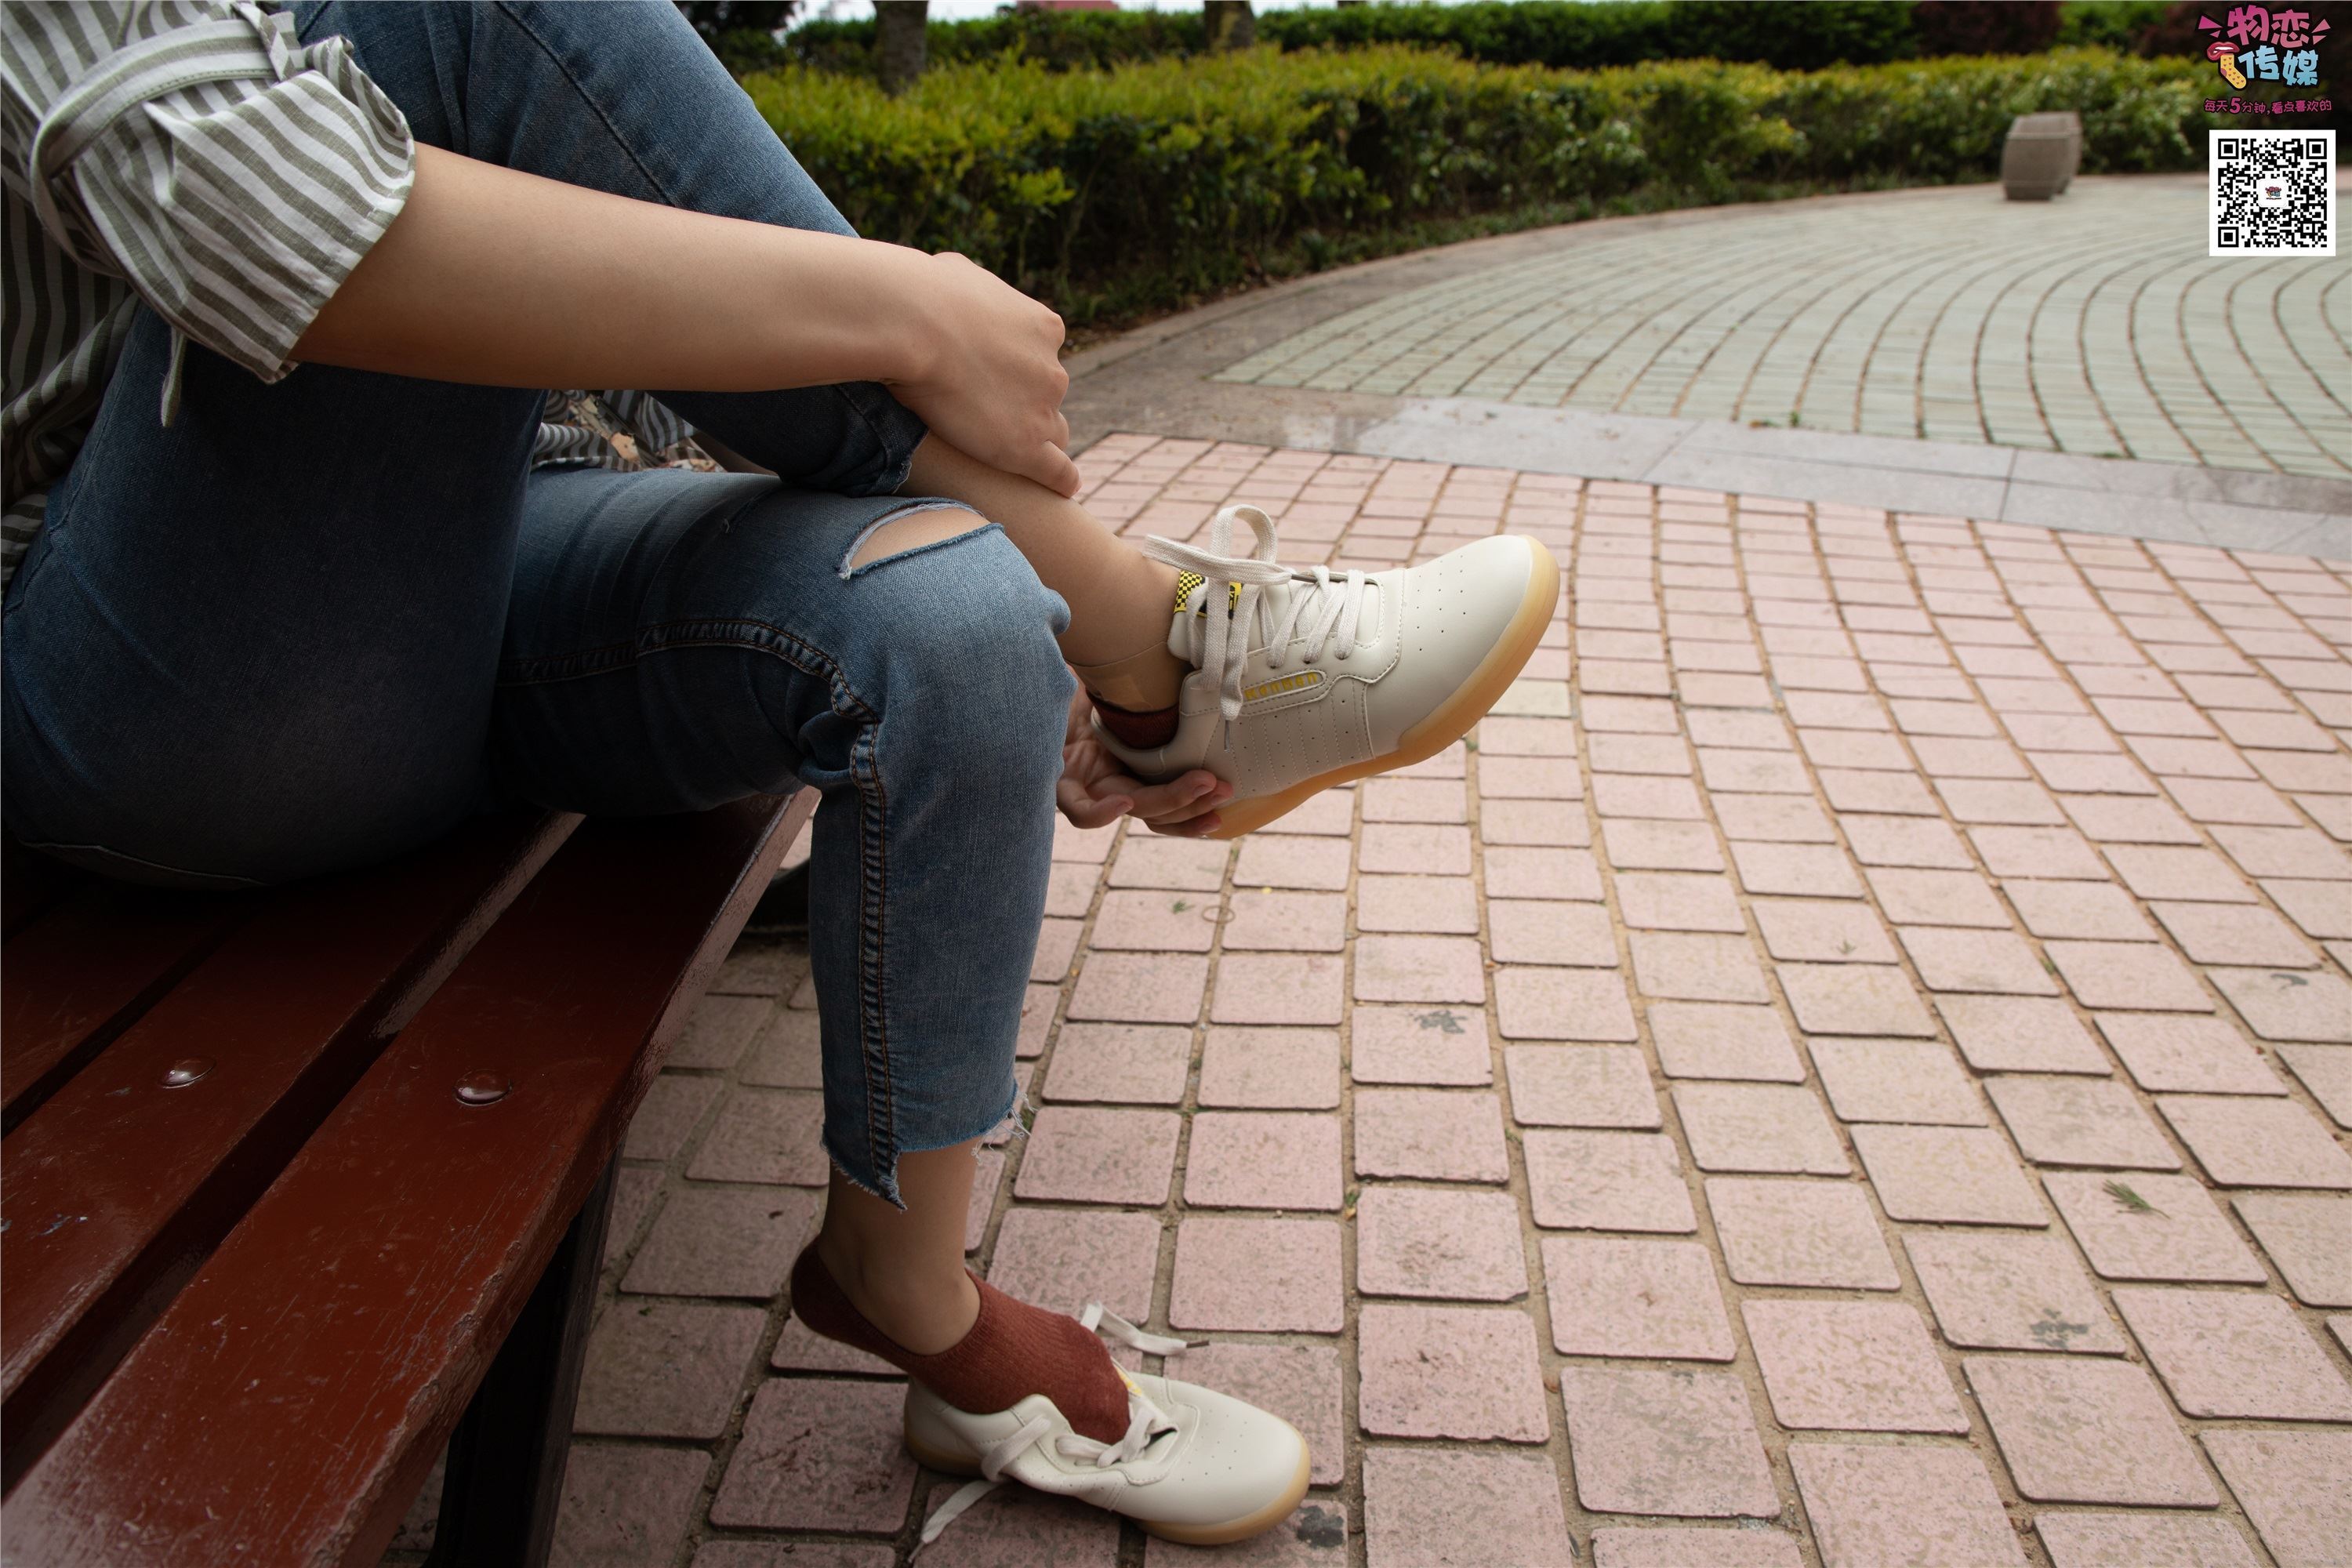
(1302, 679)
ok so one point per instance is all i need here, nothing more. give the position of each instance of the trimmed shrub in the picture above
(1105, 192)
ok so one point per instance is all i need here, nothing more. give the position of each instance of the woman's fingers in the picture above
(1084, 809)
(1052, 467)
(1182, 798)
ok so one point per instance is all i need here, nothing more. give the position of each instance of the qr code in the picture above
(2273, 193)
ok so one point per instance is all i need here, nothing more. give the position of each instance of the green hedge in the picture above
(1563, 34)
(1107, 191)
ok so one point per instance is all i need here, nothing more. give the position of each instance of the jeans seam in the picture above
(555, 58)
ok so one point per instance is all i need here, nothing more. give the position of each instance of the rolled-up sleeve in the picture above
(233, 177)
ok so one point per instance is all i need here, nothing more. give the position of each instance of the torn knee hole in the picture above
(910, 529)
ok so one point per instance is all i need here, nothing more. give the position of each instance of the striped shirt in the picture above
(192, 155)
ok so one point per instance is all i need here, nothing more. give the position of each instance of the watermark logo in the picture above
(2253, 44)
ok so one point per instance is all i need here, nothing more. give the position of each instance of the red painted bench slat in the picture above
(118, 1187)
(85, 971)
(288, 1404)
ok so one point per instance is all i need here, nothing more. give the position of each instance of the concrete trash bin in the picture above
(2038, 160)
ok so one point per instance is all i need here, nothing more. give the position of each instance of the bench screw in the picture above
(185, 1071)
(483, 1088)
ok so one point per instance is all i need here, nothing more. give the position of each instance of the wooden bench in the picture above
(297, 1188)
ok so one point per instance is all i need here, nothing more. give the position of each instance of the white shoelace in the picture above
(1146, 1421)
(1329, 608)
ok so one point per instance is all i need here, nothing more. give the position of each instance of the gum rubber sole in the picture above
(1447, 723)
(1231, 1530)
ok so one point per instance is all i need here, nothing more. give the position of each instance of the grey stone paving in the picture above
(2094, 324)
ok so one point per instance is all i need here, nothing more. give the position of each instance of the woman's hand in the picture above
(1097, 791)
(991, 379)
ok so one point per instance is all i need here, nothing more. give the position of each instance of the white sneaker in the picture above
(1303, 680)
(1194, 1466)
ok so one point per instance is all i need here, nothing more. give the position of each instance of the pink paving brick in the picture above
(1038, 1005)
(1818, 1234)
(2082, 1429)
(2310, 1239)
(1263, 1159)
(801, 1349)
(1653, 1299)
(2047, 854)
(1461, 1245)
(719, 1029)
(1635, 795)
(1918, 1081)
(1606, 1181)
(2080, 1121)
(1414, 800)
(1995, 961)
(672, 1107)
(2318, 909)
(665, 1370)
(2142, 1540)
(2257, 1143)
(1084, 1154)
(1434, 1508)
(1634, 844)
(765, 1135)
(2179, 1234)
(1527, 931)
(1681, 1443)
(1418, 848)
(1449, 1372)
(2020, 1033)
(1542, 822)
(625, 1504)
(1057, 941)
(1529, 778)
(1855, 1366)
(1682, 967)
(1921, 898)
(1672, 1547)
(2326, 1071)
(2128, 975)
(1811, 870)
(1667, 903)
(2233, 1352)
(1771, 819)
(2129, 819)
(1713, 1039)
(1291, 861)
(789, 1054)
(1088, 847)
(1924, 1507)
(1070, 890)
(722, 1242)
(1758, 1127)
(1421, 1046)
(1419, 969)
(2196, 876)
(1886, 793)
(1904, 841)
(1562, 1005)
(1013, 1527)
(1432, 1134)
(1153, 921)
(1580, 1086)
(1443, 905)
(1820, 930)
(1299, 1383)
(2184, 1054)
(1854, 999)
(1260, 1276)
(2280, 1006)
(1146, 860)
(1140, 988)
(1278, 988)
(1503, 736)
(2292, 1485)
(2009, 1292)
(818, 1454)
(1957, 1176)
(2095, 911)
(1142, 1063)
(1648, 754)
(1526, 873)
(1271, 1069)
(1062, 1259)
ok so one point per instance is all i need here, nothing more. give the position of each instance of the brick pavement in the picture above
(2094, 324)
(1849, 1067)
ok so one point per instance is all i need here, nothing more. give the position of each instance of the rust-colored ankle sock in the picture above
(1130, 728)
(1015, 1350)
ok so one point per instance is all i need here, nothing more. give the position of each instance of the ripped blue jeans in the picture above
(315, 624)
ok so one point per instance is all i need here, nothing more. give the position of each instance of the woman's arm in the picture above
(498, 278)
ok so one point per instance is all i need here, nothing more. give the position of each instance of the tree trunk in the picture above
(1232, 24)
(899, 43)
